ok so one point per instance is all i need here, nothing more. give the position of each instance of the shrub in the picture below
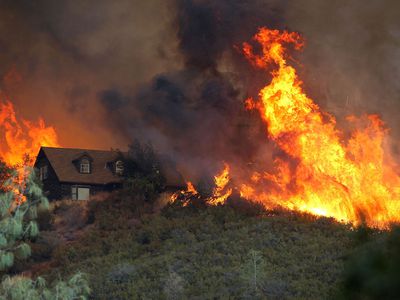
(121, 273)
(21, 288)
(373, 270)
(142, 171)
(245, 207)
(45, 219)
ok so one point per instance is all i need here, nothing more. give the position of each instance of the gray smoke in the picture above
(170, 72)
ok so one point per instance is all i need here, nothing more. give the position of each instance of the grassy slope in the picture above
(203, 254)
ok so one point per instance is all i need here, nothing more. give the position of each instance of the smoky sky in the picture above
(171, 72)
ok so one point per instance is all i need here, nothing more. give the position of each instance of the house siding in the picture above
(94, 188)
(56, 190)
(51, 185)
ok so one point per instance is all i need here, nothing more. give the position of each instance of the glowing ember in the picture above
(184, 197)
(352, 181)
(191, 189)
(221, 193)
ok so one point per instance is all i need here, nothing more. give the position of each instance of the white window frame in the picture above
(119, 167)
(74, 192)
(84, 166)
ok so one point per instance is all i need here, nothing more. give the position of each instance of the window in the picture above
(80, 193)
(85, 166)
(119, 167)
(43, 173)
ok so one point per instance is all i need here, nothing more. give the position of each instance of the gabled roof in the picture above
(61, 159)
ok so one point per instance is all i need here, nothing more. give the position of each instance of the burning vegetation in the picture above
(20, 143)
(22, 139)
(352, 180)
(324, 170)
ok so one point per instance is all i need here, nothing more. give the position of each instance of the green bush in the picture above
(204, 253)
(22, 288)
(373, 270)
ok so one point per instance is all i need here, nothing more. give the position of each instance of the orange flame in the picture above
(20, 143)
(221, 193)
(353, 181)
(186, 195)
(22, 139)
(190, 188)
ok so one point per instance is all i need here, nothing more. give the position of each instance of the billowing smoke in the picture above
(195, 113)
(170, 72)
(65, 52)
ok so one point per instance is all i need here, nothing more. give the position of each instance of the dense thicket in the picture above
(204, 253)
(20, 198)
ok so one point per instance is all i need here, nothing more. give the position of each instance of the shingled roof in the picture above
(61, 160)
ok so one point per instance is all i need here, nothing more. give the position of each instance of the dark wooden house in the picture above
(79, 173)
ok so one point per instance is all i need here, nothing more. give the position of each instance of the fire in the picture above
(20, 143)
(353, 181)
(185, 196)
(190, 188)
(22, 139)
(221, 193)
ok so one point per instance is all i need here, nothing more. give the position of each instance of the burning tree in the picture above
(18, 209)
(20, 199)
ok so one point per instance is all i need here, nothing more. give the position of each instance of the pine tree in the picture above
(19, 202)
(20, 197)
(254, 273)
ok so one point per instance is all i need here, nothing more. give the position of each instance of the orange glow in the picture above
(21, 139)
(20, 143)
(219, 195)
(190, 188)
(185, 196)
(221, 192)
(351, 180)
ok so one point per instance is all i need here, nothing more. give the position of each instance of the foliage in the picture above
(186, 253)
(373, 270)
(21, 288)
(143, 171)
(254, 273)
(20, 200)
(6, 173)
(17, 217)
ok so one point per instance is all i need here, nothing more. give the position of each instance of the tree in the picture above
(21, 288)
(20, 198)
(373, 270)
(142, 170)
(254, 273)
(19, 201)
(5, 173)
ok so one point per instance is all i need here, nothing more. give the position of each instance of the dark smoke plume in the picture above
(196, 113)
(170, 72)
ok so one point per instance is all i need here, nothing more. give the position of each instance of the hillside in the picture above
(233, 251)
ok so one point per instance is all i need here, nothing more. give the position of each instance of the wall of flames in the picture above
(21, 139)
(20, 143)
(352, 180)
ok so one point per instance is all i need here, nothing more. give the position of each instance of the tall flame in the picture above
(22, 139)
(221, 193)
(353, 181)
(20, 143)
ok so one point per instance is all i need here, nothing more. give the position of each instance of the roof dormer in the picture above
(83, 163)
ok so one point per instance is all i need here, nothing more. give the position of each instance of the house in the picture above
(79, 173)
